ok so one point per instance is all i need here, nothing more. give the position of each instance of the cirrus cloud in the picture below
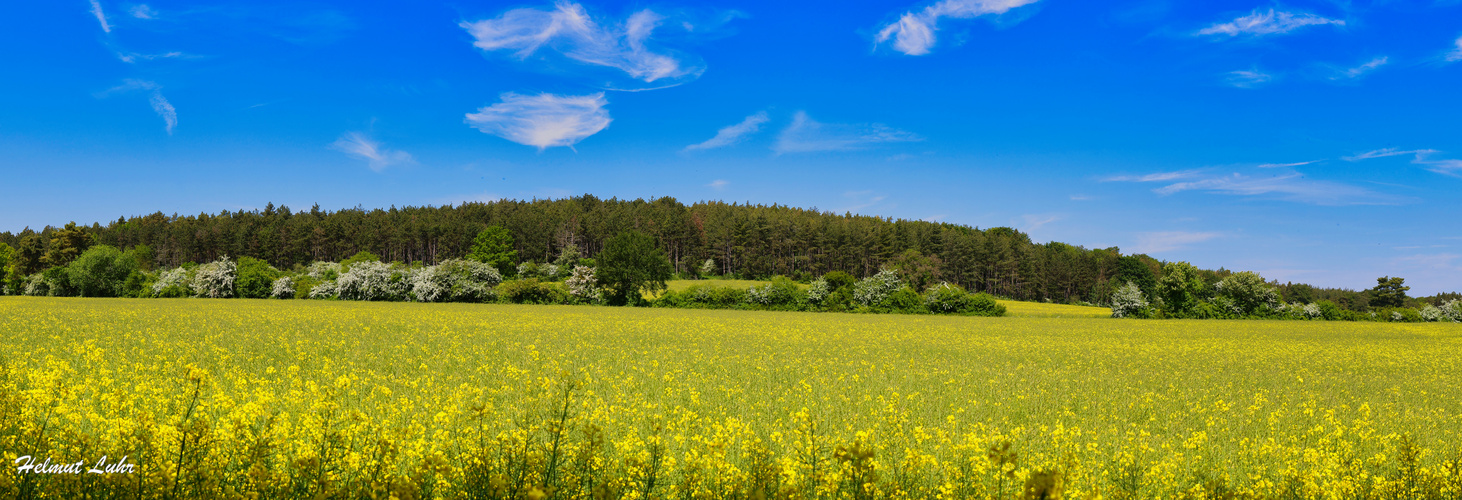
(543, 120)
(377, 156)
(913, 34)
(806, 135)
(1268, 23)
(732, 134)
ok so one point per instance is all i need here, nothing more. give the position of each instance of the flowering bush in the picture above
(876, 289)
(173, 283)
(818, 291)
(549, 271)
(708, 267)
(456, 281)
(780, 292)
(37, 286)
(370, 280)
(1128, 302)
(283, 288)
(527, 270)
(583, 285)
(1453, 310)
(324, 290)
(1248, 292)
(324, 271)
(1313, 311)
(945, 298)
(1432, 313)
(215, 280)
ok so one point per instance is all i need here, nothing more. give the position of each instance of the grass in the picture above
(211, 398)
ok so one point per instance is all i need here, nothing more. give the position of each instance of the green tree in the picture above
(629, 265)
(1131, 269)
(916, 269)
(1181, 288)
(1389, 292)
(7, 262)
(100, 271)
(494, 246)
(1248, 291)
(29, 255)
(67, 245)
(255, 278)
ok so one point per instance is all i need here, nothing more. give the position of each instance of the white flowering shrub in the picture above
(1432, 313)
(1453, 310)
(324, 290)
(708, 267)
(324, 271)
(876, 289)
(1128, 301)
(283, 288)
(818, 291)
(370, 280)
(37, 286)
(215, 280)
(173, 283)
(455, 281)
(527, 270)
(1312, 311)
(781, 291)
(1248, 292)
(549, 271)
(582, 284)
(1397, 316)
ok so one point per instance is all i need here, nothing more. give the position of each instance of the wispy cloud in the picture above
(377, 156)
(569, 30)
(1444, 167)
(913, 33)
(1359, 71)
(1455, 54)
(1248, 79)
(1292, 187)
(101, 17)
(806, 135)
(1166, 241)
(1157, 177)
(1271, 22)
(160, 104)
(1382, 153)
(730, 135)
(719, 184)
(1285, 165)
(133, 57)
(544, 120)
(142, 11)
(1032, 222)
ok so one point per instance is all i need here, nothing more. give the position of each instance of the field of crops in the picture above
(326, 399)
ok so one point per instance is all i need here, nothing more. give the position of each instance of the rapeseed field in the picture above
(322, 399)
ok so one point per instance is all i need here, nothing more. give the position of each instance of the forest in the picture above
(740, 240)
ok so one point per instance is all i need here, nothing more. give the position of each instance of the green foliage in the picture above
(631, 265)
(58, 282)
(704, 297)
(1131, 269)
(532, 291)
(66, 245)
(916, 269)
(29, 255)
(1389, 292)
(361, 256)
(494, 246)
(905, 300)
(781, 293)
(255, 278)
(568, 257)
(1329, 310)
(145, 256)
(100, 271)
(984, 304)
(1180, 289)
(7, 262)
(1248, 293)
(945, 298)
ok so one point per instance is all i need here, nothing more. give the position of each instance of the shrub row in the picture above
(837, 291)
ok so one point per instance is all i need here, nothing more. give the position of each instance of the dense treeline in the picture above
(750, 241)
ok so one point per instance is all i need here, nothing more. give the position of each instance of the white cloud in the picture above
(143, 12)
(159, 103)
(1456, 54)
(101, 17)
(1293, 187)
(544, 120)
(132, 57)
(164, 109)
(730, 135)
(806, 135)
(719, 184)
(1032, 222)
(1359, 71)
(913, 34)
(1164, 241)
(569, 30)
(374, 153)
(1444, 167)
(1248, 79)
(1268, 23)
(1157, 177)
(1285, 165)
(1382, 153)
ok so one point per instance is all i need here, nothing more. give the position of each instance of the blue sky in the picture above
(1310, 141)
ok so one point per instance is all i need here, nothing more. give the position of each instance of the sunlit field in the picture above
(326, 399)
